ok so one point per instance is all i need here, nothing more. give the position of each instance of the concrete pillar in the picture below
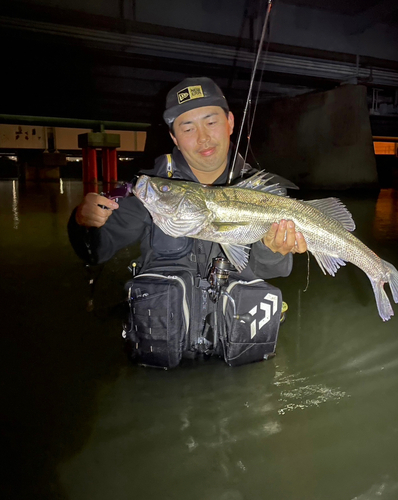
(108, 143)
(318, 140)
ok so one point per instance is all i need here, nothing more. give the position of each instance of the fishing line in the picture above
(248, 100)
(308, 271)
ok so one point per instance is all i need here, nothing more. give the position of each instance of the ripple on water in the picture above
(387, 489)
(299, 396)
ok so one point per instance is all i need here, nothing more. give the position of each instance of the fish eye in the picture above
(164, 188)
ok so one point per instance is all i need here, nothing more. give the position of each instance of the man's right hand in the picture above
(90, 214)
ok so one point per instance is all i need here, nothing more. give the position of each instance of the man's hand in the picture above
(90, 214)
(283, 238)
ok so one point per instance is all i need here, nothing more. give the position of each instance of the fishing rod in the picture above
(248, 100)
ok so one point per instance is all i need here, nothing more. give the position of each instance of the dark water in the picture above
(318, 422)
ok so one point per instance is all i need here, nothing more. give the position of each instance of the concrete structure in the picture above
(13, 137)
(116, 60)
(57, 142)
(320, 140)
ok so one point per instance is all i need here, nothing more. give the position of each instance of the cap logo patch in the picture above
(189, 93)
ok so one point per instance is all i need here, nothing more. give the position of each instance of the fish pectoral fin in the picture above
(327, 263)
(237, 255)
(336, 209)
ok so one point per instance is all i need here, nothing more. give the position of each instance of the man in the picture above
(200, 129)
(200, 125)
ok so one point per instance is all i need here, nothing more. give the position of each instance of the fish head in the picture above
(177, 207)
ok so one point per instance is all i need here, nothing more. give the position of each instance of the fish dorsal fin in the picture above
(327, 263)
(336, 209)
(267, 183)
(237, 255)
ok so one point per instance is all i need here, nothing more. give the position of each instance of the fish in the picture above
(239, 215)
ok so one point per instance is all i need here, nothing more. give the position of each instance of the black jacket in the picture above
(131, 223)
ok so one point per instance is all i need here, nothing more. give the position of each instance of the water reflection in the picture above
(385, 223)
(318, 422)
(15, 205)
(387, 489)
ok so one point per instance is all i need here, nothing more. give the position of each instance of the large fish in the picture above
(239, 215)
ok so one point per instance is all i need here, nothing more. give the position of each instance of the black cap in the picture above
(193, 93)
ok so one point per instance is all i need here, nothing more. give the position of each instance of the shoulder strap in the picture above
(169, 167)
(164, 167)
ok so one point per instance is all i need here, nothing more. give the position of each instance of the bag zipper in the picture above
(184, 288)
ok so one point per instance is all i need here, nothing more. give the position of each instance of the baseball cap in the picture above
(193, 93)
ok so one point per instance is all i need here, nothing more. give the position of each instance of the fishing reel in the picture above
(218, 277)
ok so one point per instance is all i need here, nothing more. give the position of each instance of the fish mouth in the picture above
(140, 187)
(144, 191)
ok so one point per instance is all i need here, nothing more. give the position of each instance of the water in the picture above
(318, 422)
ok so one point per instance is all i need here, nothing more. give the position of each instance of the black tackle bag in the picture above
(251, 314)
(159, 317)
(169, 309)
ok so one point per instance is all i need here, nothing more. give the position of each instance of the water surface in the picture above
(318, 422)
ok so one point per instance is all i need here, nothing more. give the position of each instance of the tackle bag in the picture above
(159, 317)
(251, 314)
(170, 311)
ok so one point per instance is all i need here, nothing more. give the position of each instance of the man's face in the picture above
(203, 136)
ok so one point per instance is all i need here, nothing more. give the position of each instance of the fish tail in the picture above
(383, 303)
(392, 275)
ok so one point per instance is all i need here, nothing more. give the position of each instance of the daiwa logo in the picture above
(189, 93)
(266, 307)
